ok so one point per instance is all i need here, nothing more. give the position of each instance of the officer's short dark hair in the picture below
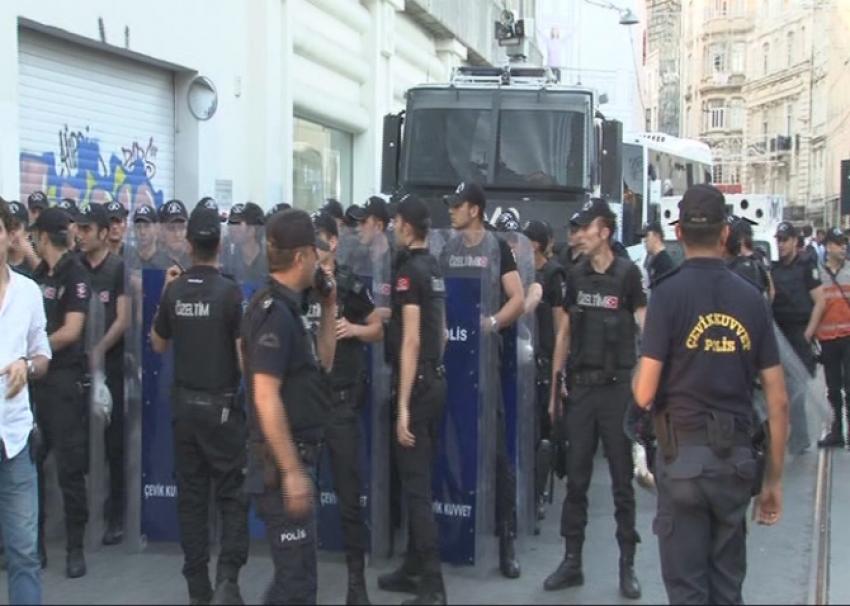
(5, 215)
(609, 221)
(204, 250)
(280, 259)
(701, 236)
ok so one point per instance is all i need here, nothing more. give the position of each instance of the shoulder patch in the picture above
(402, 284)
(268, 303)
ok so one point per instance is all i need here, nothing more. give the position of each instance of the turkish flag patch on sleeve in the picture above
(402, 284)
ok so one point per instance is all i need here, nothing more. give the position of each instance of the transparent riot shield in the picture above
(367, 261)
(519, 390)
(99, 410)
(809, 412)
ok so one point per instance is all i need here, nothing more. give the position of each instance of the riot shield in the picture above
(519, 389)
(368, 262)
(99, 408)
(473, 474)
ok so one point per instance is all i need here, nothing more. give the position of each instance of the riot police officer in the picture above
(117, 216)
(201, 311)
(22, 257)
(469, 252)
(358, 322)
(550, 347)
(61, 406)
(417, 342)
(740, 257)
(797, 308)
(173, 219)
(705, 322)
(290, 402)
(604, 297)
(147, 254)
(660, 262)
(106, 275)
(246, 260)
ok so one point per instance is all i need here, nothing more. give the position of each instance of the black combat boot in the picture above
(834, 437)
(568, 573)
(357, 593)
(629, 585)
(405, 579)
(75, 564)
(431, 589)
(227, 592)
(508, 564)
(114, 533)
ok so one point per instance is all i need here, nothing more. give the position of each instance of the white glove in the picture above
(644, 477)
(101, 398)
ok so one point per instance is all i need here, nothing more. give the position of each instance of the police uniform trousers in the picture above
(61, 408)
(114, 440)
(595, 412)
(415, 466)
(798, 438)
(505, 472)
(701, 523)
(292, 542)
(836, 369)
(342, 439)
(210, 452)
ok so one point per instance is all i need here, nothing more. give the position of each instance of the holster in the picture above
(666, 437)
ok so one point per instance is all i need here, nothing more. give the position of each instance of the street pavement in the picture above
(778, 561)
(839, 542)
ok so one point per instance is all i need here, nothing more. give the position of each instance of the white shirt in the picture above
(23, 334)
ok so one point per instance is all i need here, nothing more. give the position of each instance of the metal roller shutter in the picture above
(93, 126)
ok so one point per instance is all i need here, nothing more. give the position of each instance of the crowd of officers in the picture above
(296, 346)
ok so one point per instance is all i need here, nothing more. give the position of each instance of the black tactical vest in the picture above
(305, 391)
(603, 327)
(750, 269)
(792, 303)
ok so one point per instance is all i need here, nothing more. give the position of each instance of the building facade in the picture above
(268, 100)
(759, 81)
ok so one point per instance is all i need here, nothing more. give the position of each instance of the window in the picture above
(736, 113)
(765, 51)
(540, 147)
(718, 58)
(739, 52)
(649, 119)
(715, 114)
(790, 49)
(322, 164)
(717, 173)
(765, 125)
(451, 145)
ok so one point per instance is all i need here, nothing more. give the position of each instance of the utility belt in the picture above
(720, 433)
(588, 378)
(309, 452)
(429, 368)
(219, 401)
(544, 370)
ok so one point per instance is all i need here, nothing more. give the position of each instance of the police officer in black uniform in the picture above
(147, 254)
(569, 255)
(417, 343)
(705, 322)
(200, 312)
(36, 202)
(106, 276)
(22, 257)
(173, 219)
(741, 260)
(660, 262)
(604, 297)
(246, 258)
(797, 308)
(357, 323)
(550, 347)
(60, 397)
(286, 374)
(117, 216)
